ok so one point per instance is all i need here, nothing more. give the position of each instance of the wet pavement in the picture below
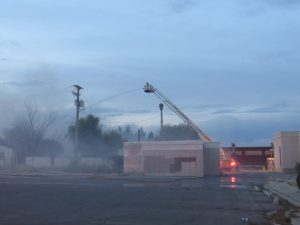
(142, 200)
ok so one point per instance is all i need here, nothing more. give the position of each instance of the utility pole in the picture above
(161, 107)
(139, 135)
(79, 103)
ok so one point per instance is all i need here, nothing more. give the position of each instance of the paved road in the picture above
(67, 200)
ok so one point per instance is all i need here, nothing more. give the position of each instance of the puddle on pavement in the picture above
(234, 186)
(231, 182)
(230, 179)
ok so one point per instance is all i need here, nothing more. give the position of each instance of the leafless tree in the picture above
(28, 132)
(38, 126)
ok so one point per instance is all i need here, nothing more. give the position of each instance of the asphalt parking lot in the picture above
(36, 200)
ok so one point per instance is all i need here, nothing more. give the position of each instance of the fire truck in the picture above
(226, 162)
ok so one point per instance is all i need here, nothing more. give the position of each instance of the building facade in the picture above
(172, 158)
(286, 150)
(257, 155)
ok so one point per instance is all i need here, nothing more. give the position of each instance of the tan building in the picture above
(286, 150)
(172, 158)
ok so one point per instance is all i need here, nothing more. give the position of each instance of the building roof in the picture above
(248, 148)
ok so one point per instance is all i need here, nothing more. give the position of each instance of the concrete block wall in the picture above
(211, 158)
(60, 162)
(172, 158)
(286, 150)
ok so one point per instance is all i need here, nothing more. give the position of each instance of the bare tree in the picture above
(38, 126)
(28, 132)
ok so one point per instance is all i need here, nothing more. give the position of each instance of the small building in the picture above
(257, 156)
(172, 158)
(286, 150)
(6, 156)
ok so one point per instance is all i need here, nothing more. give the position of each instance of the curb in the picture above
(283, 196)
(107, 177)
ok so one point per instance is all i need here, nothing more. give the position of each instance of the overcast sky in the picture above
(232, 66)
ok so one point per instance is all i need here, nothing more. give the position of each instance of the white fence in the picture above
(59, 162)
(6, 156)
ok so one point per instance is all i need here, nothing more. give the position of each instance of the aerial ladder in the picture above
(225, 162)
(148, 88)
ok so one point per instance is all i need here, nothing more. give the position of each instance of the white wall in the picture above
(93, 161)
(133, 158)
(286, 150)
(59, 162)
(161, 156)
(7, 159)
(277, 152)
(211, 155)
(39, 162)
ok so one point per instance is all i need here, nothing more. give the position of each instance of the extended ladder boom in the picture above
(148, 88)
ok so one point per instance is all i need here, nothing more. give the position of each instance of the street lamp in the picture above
(161, 107)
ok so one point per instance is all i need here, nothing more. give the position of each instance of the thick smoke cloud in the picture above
(39, 87)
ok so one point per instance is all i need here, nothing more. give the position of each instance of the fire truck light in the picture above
(233, 179)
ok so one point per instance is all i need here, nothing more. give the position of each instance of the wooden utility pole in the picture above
(79, 104)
